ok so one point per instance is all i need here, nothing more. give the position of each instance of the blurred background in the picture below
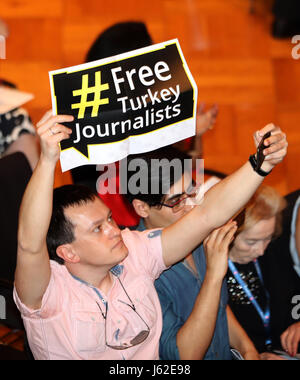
(228, 45)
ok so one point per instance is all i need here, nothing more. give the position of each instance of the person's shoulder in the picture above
(130, 235)
(57, 267)
(141, 242)
(145, 250)
(133, 241)
(59, 271)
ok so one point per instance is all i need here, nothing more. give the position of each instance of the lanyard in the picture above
(264, 315)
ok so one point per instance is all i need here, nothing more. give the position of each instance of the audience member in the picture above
(249, 297)
(287, 18)
(288, 243)
(295, 229)
(282, 261)
(17, 134)
(193, 293)
(96, 298)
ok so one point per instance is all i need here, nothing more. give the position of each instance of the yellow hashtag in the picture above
(85, 90)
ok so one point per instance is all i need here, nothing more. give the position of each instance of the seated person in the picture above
(287, 18)
(17, 134)
(282, 261)
(289, 240)
(95, 297)
(249, 296)
(15, 173)
(192, 293)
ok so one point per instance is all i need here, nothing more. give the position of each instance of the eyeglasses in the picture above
(178, 203)
(140, 338)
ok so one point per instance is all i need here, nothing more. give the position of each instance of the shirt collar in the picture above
(141, 227)
(117, 270)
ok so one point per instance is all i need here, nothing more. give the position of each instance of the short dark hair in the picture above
(155, 177)
(61, 229)
(119, 38)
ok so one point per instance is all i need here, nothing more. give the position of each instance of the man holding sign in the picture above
(95, 298)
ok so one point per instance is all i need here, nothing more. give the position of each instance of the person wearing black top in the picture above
(282, 260)
(287, 18)
(17, 133)
(254, 286)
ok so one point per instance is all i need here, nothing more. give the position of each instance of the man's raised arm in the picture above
(222, 202)
(33, 265)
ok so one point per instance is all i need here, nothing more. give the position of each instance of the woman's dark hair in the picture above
(119, 38)
(61, 229)
(156, 178)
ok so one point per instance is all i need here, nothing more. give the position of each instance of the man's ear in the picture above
(66, 253)
(141, 208)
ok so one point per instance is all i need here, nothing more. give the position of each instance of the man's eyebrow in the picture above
(100, 221)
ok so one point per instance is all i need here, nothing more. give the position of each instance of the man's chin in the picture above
(121, 247)
(125, 250)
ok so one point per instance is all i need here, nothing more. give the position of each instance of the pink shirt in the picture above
(70, 326)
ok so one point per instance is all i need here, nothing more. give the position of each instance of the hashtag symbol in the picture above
(85, 91)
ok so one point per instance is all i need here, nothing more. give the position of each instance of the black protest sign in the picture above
(125, 96)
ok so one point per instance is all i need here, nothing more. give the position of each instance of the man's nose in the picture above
(111, 229)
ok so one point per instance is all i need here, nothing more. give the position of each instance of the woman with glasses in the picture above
(249, 294)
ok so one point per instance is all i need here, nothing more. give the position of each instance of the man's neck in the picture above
(148, 224)
(94, 277)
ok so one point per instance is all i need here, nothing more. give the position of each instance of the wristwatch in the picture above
(253, 162)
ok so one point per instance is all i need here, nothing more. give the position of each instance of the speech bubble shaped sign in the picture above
(131, 103)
